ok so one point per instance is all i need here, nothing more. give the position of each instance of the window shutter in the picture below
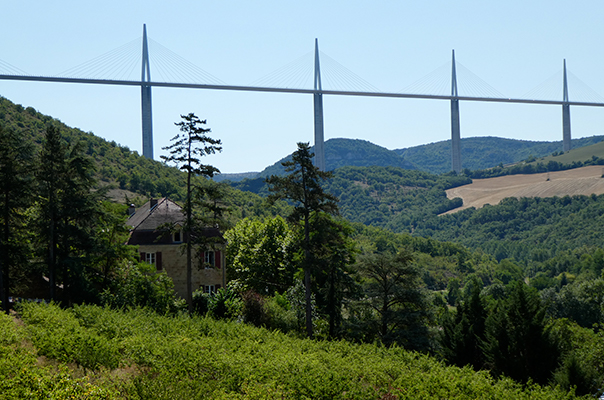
(217, 259)
(158, 261)
(143, 257)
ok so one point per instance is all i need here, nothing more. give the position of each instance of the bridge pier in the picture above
(455, 130)
(566, 139)
(318, 111)
(147, 116)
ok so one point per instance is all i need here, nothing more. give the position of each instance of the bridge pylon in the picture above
(318, 108)
(146, 113)
(455, 130)
(566, 139)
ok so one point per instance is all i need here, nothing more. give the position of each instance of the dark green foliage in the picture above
(333, 253)
(518, 342)
(509, 336)
(140, 285)
(463, 332)
(115, 163)
(348, 152)
(525, 229)
(580, 301)
(68, 212)
(200, 302)
(392, 291)
(224, 304)
(16, 195)
(389, 197)
(479, 153)
(303, 187)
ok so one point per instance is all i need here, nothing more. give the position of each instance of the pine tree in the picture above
(463, 332)
(185, 151)
(518, 342)
(68, 215)
(302, 186)
(16, 191)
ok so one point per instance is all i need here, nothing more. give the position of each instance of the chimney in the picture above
(131, 210)
(152, 203)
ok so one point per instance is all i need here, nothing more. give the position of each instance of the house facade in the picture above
(164, 249)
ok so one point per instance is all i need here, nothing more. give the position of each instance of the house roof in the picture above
(150, 215)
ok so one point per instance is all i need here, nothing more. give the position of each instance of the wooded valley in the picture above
(366, 291)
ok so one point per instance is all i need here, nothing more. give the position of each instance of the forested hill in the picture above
(349, 152)
(478, 153)
(484, 152)
(115, 163)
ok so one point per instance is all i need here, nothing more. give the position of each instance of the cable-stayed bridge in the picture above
(116, 68)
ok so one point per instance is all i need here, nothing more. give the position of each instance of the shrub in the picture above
(140, 285)
(224, 304)
(254, 309)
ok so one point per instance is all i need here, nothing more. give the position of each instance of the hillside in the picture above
(88, 352)
(572, 182)
(349, 152)
(484, 152)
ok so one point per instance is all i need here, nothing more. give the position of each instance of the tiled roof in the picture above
(149, 218)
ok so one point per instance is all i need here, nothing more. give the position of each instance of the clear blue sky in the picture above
(513, 45)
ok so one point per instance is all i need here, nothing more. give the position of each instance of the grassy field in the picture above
(580, 154)
(578, 181)
(89, 352)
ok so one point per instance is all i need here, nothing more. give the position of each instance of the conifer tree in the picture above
(68, 215)
(518, 341)
(303, 187)
(186, 151)
(16, 179)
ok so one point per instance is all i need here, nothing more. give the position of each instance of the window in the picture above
(209, 259)
(210, 288)
(177, 237)
(150, 258)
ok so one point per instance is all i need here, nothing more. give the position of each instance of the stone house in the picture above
(165, 249)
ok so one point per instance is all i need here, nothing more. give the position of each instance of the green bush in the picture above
(179, 357)
(140, 285)
(224, 304)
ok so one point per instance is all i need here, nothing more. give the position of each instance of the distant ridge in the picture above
(342, 152)
(484, 152)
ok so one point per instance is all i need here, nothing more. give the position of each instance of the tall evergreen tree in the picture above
(333, 255)
(186, 151)
(518, 341)
(303, 187)
(463, 332)
(69, 211)
(16, 178)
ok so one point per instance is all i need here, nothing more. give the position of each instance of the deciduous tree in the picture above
(392, 289)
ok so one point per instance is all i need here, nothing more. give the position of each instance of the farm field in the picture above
(579, 181)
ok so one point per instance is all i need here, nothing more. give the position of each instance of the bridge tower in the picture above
(455, 131)
(146, 100)
(566, 143)
(318, 108)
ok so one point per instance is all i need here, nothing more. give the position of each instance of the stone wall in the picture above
(174, 263)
